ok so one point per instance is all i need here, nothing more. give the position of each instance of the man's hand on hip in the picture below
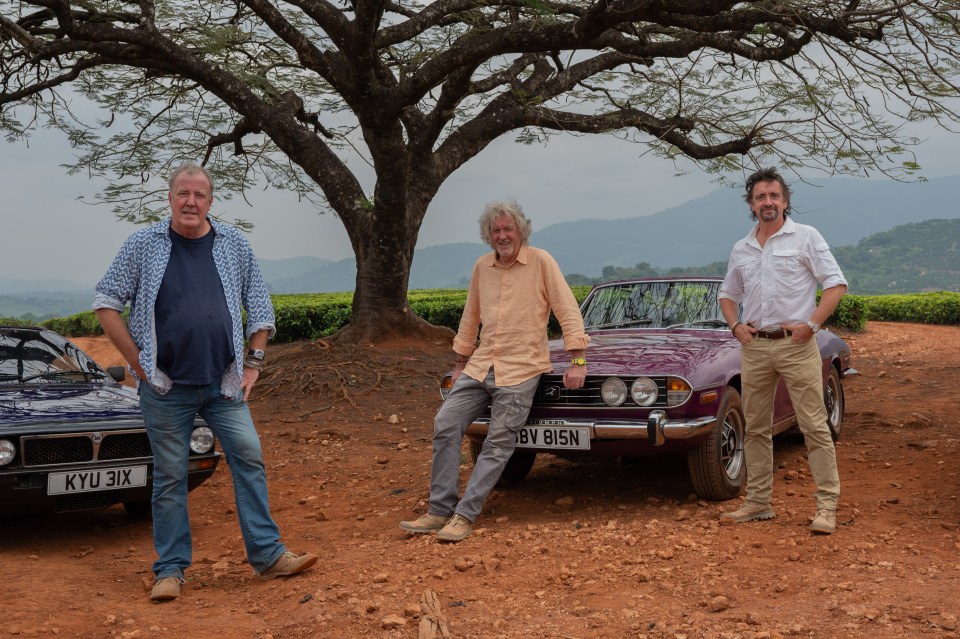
(250, 377)
(799, 333)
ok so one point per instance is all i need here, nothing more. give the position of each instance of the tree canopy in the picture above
(366, 106)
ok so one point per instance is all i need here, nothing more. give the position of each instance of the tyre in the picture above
(517, 468)
(138, 509)
(717, 466)
(834, 402)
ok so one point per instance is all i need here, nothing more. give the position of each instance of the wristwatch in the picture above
(578, 361)
(813, 326)
(257, 354)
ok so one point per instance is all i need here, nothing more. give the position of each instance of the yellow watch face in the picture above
(578, 361)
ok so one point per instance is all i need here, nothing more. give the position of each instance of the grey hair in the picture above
(190, 168)
(504, 208)
(769, 174)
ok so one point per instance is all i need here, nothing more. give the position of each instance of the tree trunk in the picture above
(384, 252)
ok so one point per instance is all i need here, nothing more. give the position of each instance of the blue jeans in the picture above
(467, 400)
(169, 419)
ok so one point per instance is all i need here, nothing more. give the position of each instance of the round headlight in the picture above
(644, 391)
(201, 440)
(7, 451)
(613, 391)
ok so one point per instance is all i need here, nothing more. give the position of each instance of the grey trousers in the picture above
(467, 400)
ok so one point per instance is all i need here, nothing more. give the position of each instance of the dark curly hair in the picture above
(769, 174)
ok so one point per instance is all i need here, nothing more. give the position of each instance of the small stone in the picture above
(392, 621)
(393, 419)
(719, 604)
(564, 501)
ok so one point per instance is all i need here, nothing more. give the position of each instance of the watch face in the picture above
(255, 354)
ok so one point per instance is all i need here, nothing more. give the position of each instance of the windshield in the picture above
(654, 304)
(43, 357)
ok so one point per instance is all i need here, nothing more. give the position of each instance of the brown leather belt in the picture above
(777, 334)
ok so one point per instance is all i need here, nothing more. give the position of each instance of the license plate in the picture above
(571, 438)
(85, 481)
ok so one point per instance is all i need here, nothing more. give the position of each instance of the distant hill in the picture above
(698, 232)
(692, 236)
(910, 258)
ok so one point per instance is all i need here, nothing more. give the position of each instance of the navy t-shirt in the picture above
(194, 329)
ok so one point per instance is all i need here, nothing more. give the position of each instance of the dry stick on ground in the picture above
(433, 624)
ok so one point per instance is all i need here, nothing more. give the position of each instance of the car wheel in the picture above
(138, 509)
(717, 466)
(517, 468)
(833, 401)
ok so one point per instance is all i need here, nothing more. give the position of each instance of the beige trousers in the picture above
(765, 361)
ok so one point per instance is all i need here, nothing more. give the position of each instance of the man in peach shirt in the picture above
(512, 292)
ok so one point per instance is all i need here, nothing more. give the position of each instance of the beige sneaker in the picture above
(457, 529)
(425, 524)
(288, 564)
(825, 522)
(166, 588)
(749, 511)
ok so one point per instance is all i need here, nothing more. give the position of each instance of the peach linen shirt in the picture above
(510, 307)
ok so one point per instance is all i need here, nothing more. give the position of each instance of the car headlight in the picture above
(201, 440)
(678, 391)
(7, 451)
(644, 391)
(613, 391)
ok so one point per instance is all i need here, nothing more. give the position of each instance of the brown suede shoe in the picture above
(425, 524)
(166, 589)
(457, 529)
(825, 521)
(749, 511)
(288, 564)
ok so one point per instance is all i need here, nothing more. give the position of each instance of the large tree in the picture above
(311, 95)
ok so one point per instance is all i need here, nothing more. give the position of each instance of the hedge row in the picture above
(311, 316)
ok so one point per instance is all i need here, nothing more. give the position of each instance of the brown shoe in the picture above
(166, 589)
(825, 522)
(425, 524)
(749, 511)
(288, 564)
(457, 529)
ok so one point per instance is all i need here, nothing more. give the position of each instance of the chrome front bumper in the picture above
(656, 431)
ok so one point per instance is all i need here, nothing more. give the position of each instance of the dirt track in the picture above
(577, 551)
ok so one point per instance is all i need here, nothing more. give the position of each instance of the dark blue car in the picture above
(72, 437)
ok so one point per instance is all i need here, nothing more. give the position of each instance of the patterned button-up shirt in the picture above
(137, 272)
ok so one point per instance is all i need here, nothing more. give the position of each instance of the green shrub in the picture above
(312, 316)
(79, 325)
(850, 314)
(941, 307)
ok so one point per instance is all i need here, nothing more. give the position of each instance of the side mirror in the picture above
(119, 373)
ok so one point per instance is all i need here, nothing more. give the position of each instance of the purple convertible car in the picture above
(71, 437)
(664, 378)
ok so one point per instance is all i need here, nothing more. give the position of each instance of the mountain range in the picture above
(698, 232)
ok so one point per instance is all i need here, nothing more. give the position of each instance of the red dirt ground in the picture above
(576, 551)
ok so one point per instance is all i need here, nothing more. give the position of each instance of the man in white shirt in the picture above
(773, 275)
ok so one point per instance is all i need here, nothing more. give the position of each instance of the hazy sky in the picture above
(49, 234)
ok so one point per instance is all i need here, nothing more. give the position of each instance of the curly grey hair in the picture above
(504, 208)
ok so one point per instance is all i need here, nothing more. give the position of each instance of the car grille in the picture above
(74, 448)
(550, 392)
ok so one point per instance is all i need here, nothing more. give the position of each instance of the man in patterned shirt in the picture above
(187, 279)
